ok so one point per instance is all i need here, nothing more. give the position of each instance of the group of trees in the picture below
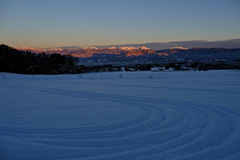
(177, 66)
(25, 62)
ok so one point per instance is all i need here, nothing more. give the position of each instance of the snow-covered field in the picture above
(121, 116)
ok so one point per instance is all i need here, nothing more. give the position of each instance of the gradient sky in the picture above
(54, 23)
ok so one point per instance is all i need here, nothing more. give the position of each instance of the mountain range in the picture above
(232, 43)
(143, 55)
(160, 52)
(91, 51)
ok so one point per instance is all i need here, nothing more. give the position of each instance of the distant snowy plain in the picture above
(121, 116)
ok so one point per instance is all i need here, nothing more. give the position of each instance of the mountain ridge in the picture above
(90, 51)
(143, 55)
(231, 43)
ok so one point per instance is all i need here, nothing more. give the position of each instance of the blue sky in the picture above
(53, 23)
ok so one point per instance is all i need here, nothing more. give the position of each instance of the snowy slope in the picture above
(121, 116)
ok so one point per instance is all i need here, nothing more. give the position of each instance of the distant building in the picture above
(131, 69)
(122, 69)
(157, 69)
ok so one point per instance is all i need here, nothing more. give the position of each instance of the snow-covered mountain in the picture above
(135, 55)
(90, 51)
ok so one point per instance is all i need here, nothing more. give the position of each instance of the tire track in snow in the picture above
(156, 135)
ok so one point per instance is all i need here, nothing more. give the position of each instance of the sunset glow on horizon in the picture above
(83, 23)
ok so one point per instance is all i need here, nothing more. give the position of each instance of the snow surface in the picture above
(121, 116)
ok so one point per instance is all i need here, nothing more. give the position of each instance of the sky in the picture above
(55, 23)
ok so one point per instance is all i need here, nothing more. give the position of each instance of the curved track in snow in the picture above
(120, 126)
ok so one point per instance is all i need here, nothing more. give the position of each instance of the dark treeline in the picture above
(25, 62)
